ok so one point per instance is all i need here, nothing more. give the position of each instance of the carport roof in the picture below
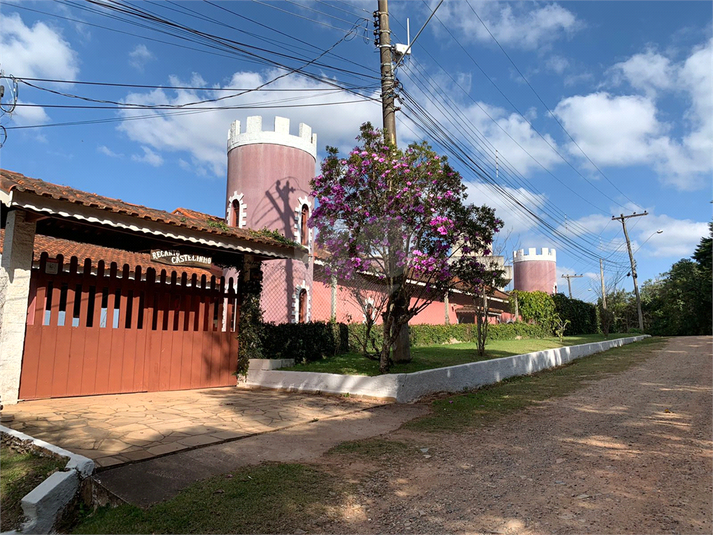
(68, 207)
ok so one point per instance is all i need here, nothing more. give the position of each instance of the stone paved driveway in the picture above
(116, 429)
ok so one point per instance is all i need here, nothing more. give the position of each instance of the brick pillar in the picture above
(15, 274)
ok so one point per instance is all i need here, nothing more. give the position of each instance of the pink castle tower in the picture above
(269, 174)
(535, 272)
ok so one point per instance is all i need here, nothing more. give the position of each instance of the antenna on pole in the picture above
(401, 50)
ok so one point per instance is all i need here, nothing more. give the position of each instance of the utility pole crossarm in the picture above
(623, 219)
(569, 282)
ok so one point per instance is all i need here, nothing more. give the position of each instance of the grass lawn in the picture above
(19, 474)
(426, 358)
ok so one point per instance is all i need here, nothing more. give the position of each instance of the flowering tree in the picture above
(398, 216)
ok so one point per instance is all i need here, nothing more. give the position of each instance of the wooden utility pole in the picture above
(402, 349)
(388, 94)
(601, 277)
(569, 282)
(623, 219)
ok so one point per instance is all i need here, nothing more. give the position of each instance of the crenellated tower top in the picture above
(549, 255)
(254, 134)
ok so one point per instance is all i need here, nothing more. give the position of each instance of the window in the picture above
(233, 221)
(302, 304)
(304, 229)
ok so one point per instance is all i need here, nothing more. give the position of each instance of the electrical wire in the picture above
(183, 88)
(546, 107)
(554, 149)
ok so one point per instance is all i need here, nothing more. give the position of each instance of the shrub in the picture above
(303, 342)
(535, 306)
(582, 316)
(357, 336)
(510, 331)
(427, 335)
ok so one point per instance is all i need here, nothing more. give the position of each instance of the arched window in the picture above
(234, 214)
(304, 229)
(302, 303)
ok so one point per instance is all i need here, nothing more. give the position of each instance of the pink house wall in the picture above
(348, 311)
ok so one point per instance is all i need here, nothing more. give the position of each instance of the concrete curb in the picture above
(408, 387)
(45, 504)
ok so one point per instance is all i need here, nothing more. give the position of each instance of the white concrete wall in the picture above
(44, 505)
(408, 387)
(15, 272)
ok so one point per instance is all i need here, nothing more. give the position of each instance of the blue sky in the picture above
(598, 108)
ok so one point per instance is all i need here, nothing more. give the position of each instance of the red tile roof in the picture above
(67, 248)
(193, 214)
(11, 181)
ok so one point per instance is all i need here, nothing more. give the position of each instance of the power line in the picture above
(211, 108)
(297, 15)
(545, 105)
(183, 88)
(465, 125)
(447, 142)
(554, 149)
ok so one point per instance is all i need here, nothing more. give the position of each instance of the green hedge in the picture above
(426, 335)
(304, 342)
(581, 315)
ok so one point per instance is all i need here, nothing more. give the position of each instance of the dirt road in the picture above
(631, 453)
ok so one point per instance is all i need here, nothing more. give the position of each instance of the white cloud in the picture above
(557, 64)
(28, 115)
(518, 144)
(202, 135)
(648, 72)
(612, 130)
(149, 157)
(103, 149)
(37, 51)
(513, 217)
(513, 24)
(626, 129)
(139, 56)
(513, 138)
(678, 240)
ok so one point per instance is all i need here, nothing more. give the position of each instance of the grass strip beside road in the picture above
(20, 473)
(483, 406)
(270, 498)
(440, 356)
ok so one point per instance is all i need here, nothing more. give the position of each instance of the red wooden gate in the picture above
(90, 331)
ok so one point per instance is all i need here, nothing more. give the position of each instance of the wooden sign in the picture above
(177, 258)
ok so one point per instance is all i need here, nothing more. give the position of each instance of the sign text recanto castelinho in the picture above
(176, 258)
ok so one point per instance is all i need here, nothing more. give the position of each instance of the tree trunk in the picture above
(385, 355)
(402, 347)
(482, 320)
